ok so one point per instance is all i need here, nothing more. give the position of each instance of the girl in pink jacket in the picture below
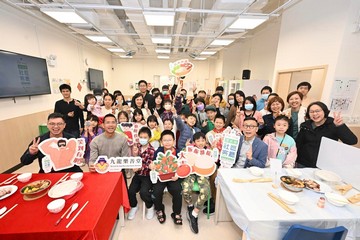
(281, 145)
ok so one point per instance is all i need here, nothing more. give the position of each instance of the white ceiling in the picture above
(197, 22)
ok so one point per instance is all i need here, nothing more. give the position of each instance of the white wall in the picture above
(25, 34)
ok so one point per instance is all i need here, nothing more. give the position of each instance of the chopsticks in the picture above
(59, 220)
(281, 203)
(252, 180)
(9, 180)
(61, 179)
(67, 226)
(8, 211)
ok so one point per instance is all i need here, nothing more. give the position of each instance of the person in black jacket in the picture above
(148, 98)
(56, 124)
(319, 125)
(72, 111)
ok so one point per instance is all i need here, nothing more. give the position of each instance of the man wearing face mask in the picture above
(200, 111)
(141, 180)
(165, 92)
(265, 91)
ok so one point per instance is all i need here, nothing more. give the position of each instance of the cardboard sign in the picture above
(103, 164)
(166, 165)
(201, 161)
(131, 131)
(181, 67)
(60, 153)
(229, 150)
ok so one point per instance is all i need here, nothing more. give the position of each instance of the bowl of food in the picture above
(25, 177)
(288, 197)
(77, 176)
(35, 189)
(336, 199)
(256, 171)
(292, 183)
(56, 206)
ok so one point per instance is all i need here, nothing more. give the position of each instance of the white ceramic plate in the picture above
(323, 187)
(293, 172)
(288, 197)
(13, 190)
(327, 176)
(256, 171)
(336, 199)
(63, 189)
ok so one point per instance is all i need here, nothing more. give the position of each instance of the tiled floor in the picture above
(152, 229)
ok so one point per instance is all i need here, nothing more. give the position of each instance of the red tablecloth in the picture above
(31, 219)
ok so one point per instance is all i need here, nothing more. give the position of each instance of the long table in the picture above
(261, 218)
(107, 196)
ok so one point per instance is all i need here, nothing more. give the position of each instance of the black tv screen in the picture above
(96, 79)
(22, 75)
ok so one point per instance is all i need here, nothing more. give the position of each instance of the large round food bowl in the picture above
(292, 183)
(36, 188)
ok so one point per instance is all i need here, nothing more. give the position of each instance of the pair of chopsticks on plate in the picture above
(9, 180)
(77, 214)
(8, 211)
(252, 180)
(62, 179)
(281, 203)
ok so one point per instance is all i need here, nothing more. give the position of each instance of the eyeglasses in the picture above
(249, 126)
(56, 124)
(315, 111)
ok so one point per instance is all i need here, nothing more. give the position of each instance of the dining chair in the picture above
(196, 188)
(300, 232)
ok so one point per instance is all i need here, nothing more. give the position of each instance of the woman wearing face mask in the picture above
(200, 111)
(239, 98)
(248, 110)
(275, 106)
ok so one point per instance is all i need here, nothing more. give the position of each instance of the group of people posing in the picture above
(172, 118)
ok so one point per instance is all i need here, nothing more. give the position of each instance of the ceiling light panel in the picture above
(64, 15)
(116, 50)
(221, 42)
(207, 53)
(163, 57)
(99, 39)
(248, 22)
(162, 50)
(159, 18)
(166, 40)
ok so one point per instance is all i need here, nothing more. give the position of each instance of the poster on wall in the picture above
(343, 95)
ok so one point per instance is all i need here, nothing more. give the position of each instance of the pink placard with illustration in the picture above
(181, 67)
(62, 152)
(131, 131)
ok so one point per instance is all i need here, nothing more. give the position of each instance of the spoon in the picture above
(73, 208)
(2, 210)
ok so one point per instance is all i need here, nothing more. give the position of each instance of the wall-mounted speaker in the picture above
(246, 74)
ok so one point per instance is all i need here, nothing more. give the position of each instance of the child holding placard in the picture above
(281, 145)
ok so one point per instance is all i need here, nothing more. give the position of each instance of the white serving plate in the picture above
(293, 172)
(256, 171)
(63, 189)
(13, 188)
(324, 188)
(327, 176)
(336, 199)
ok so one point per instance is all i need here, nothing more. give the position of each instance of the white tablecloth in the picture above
(261, 218)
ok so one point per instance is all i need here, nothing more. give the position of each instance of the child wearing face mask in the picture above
(165, 92)
(167, 114)
(141, 180)
(247, 110)
(200, 111)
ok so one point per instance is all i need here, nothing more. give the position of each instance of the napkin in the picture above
(355, 198)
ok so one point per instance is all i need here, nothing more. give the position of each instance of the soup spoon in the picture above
(73, 208)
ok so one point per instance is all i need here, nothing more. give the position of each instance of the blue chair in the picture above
(300, 232)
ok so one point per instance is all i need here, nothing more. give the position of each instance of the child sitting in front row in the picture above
(281, 145)
(141, 180)
(188, 184)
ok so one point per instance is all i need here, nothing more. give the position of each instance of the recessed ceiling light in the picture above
(200, 58)
(98, 38)
(159, 18)
(248, 22)
(125, 56)
(63, 15)
(164, 40)
(116, 50)
(208, 53)
(221, 42)
(163, 57)
(162, 50)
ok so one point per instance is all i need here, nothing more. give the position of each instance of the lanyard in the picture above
(277, 153)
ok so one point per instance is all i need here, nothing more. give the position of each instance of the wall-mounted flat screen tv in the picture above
(22, 75)
(96, 79)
